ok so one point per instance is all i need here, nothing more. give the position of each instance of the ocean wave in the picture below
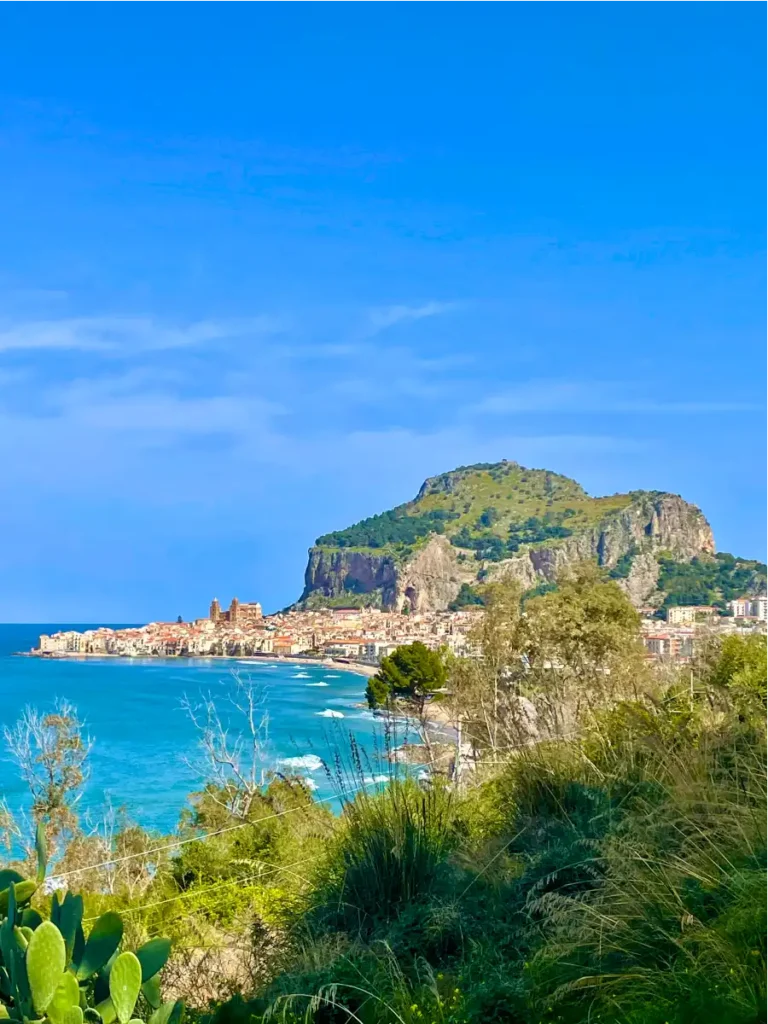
(328, 713)
(333, 675)
(317, 684)
(369, 780)
(301, 675)
(310, 761)
(310, 784)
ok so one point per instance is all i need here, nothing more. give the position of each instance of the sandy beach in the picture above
(348, 666)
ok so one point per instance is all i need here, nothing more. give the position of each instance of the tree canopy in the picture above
(392, 527)
(710, 581)
(412, 671)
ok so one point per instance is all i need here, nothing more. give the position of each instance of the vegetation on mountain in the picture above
(395, 527)
(491, 547)
(349, 598)
(494, 507)
(623, 566)
(594, 850)
(467, 597)
(710, 581)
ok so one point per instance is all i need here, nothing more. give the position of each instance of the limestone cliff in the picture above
(492, 521)
(650, 524)
(342, 572)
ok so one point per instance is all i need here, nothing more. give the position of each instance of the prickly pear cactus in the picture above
(125, 985)
(45, 962)
(52, 973)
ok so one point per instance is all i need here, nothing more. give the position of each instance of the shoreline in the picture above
(436, 713)
(357, 667)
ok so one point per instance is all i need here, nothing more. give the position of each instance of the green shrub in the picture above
(467, 597)
(391, 853)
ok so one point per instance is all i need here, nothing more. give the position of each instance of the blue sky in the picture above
(264, 267)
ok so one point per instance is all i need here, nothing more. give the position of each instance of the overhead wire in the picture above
(111, 862)
(267, 868)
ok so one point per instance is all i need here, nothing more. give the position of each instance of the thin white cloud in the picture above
(556, 396)
(382, 317)
(166, 416)
(127, 334)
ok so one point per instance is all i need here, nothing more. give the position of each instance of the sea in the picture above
(145, 747)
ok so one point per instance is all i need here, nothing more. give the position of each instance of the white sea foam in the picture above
(328, 713)
(333, 675)
(301, 675)
(310, 784)
(317, 684)
(310, 761)
(369, 780)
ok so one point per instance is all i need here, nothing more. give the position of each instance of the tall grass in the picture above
(390, 853)
(675, 931)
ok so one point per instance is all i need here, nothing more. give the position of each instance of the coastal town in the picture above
(363, 636)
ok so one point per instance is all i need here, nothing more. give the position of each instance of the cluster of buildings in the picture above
(675, 639)
(364, 635)
(348, 634)
(749, 608)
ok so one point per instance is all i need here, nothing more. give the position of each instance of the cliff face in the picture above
(433, 577)
(338, 572)
(649, 525)
(429, 580)
(456, 515)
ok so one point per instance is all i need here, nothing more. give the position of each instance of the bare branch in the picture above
(51, 751)
(233, 742)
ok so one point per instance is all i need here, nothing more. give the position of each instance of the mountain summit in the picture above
(483, 522)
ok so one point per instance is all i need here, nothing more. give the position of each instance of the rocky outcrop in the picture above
(647, 526)
(641, 585)
(433, 577)
(627, 540)
(338, 572)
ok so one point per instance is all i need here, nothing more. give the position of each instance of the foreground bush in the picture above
(389, 855)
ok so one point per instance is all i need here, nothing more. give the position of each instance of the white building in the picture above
(687, 614)
(375, 650)
(741, 608)
(49, 644)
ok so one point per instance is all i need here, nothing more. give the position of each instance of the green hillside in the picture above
(710, 581)
(491, 508)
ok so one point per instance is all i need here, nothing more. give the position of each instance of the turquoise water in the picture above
(141, 735)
